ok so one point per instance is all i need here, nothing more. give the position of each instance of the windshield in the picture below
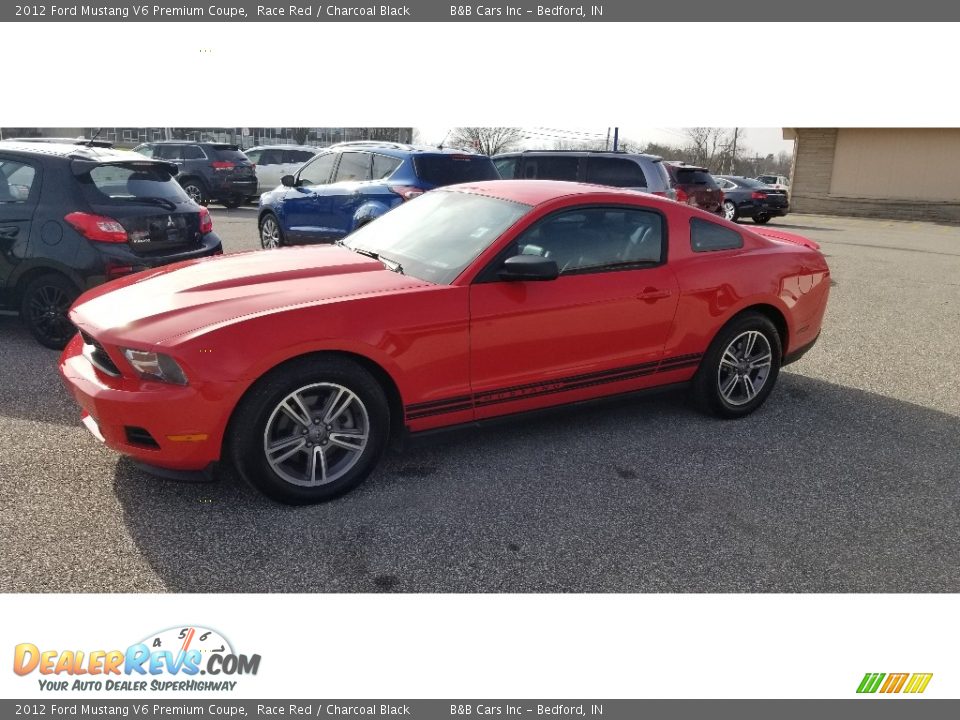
(436, 236)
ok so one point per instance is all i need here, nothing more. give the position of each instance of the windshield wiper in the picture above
(391, 265)
(162, 202)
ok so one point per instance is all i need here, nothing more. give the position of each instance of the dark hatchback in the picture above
(695, 186)
(75, 216)
(208, 171)
(746, 197)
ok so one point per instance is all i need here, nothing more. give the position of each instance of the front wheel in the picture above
(311, 430)
(44, 307)
(729, 210)
(271, 236)
(740, 368)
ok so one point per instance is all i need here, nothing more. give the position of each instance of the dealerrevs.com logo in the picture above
(893, 683)
(178, 659)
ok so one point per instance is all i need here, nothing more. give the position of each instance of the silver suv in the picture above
(618, 169)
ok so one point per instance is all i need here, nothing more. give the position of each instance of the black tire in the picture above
(729, 210)
(715, 372)
(761, 219)
(234, 201)
(259, 420)
(43, 309)
(197, 192)
(266, 222)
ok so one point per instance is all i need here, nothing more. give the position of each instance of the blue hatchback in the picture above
(350, 184)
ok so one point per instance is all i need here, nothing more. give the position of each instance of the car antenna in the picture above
(90, 142)
(440, 145)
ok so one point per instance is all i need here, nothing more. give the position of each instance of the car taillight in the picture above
(682, 195)
(222, 165)
(406, 192)
(97, 227)
(114, 271)
(757, 195)
(206, 222)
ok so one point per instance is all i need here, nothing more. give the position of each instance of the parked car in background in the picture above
(776, 181)
(746, 197)
(75, 216)
(274, 161)
(350, 184)
(695, 186)
(465, 304)
(616, 169)
(209, 171)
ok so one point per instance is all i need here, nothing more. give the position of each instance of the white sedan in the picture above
(275, 161)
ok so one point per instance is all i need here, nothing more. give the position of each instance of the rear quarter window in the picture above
(617, 172)
(551, 167)
(706, 236)
(442, 170)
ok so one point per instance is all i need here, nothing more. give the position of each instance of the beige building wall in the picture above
(907, 173)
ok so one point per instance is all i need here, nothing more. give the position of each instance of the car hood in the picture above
(157, 305)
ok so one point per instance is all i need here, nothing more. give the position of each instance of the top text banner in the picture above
(492, 10)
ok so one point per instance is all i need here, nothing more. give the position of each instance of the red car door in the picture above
(599, 328)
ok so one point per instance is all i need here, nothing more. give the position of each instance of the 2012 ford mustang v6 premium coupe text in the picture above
(470, 302)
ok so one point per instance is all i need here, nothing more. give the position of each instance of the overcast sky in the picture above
(760, 140)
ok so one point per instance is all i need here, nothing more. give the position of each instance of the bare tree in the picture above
(300, 135)
(710, 147)
(486, 140)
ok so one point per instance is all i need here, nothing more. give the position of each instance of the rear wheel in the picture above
(234, 201)
(741, 367)
(729, 210)
(761, 219)
(311, 430)
(44, 307)
(195, 191)
(271, 236)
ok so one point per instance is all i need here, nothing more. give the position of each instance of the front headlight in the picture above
(155, 366)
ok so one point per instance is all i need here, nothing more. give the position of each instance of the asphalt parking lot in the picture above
(847, 480)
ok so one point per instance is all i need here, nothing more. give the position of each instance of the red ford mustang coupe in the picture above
(475, 301)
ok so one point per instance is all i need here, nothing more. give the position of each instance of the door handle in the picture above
(652, 293)
(9, 232)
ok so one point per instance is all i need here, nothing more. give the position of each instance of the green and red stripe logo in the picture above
(889, 683)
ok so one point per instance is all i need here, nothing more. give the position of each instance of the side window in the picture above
(507, 167)
(551, 167)
(296, 156)
(16, 182)
(595, 239)
(271, 157)
(384, 166)
(706, 236)
(318, 171)
(145, 150)
(193, 152)
(254, 156)
(169, 152)
(618, 172)
(353, 166)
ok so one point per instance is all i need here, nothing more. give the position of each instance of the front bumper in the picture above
(185, 424)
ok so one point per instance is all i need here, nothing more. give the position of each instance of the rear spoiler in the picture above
(81, 166)
(783, 236)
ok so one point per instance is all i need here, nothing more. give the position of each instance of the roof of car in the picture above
(67, 150)
(313, 148)
(536, 192)
(402, 149)
(613, 153)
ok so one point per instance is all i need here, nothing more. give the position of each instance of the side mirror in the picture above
(288, 181)
(529, 267)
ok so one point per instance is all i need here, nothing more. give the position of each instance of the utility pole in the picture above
(606, 145)
(733, 154)
(616, 138)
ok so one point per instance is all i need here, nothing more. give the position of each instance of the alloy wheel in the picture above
(744, 367)
(269, 233)
(48, 313)
(316, 434)
(729, 210)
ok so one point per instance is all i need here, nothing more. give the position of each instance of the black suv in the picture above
(74, 216)
(209, 171)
